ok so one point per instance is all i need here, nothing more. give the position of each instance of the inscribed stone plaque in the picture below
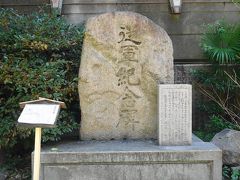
(39, 115)
(125, 55)
(175, 114)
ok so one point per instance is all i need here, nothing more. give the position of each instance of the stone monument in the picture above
(125, 55)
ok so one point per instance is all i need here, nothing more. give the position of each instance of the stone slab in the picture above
(118, 76)
(174, 114)
(131, 160)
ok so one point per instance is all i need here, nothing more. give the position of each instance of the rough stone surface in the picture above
(2, 175)
(229, 142)
(125, 55)
(131, 160)
(175, 114)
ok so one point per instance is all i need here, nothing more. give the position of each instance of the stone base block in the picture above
(131, 160)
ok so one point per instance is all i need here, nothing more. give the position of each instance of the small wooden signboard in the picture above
(41, 113)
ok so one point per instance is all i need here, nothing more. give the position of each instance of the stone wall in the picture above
(24, 6)
(184, 29)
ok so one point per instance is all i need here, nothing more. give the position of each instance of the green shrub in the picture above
(221, 42)
(215, 125)
(220, 82)
(231, 173)
(39, 57)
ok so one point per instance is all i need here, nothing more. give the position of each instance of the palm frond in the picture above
(221, 42)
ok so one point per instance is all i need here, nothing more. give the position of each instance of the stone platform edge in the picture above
(82, 154)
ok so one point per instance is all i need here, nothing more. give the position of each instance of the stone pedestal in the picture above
(131, 160)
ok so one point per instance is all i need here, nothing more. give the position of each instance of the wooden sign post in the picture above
(41, 113)
(37, 152)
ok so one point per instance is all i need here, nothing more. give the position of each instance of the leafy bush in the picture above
(221, 42)
(39, 57)
(217, 84)
(215, 125)
(231, 173)
(220, 82)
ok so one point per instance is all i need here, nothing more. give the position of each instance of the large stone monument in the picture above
(125, 55)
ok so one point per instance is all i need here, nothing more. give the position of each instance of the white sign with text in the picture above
(39, 115)
(175, 114)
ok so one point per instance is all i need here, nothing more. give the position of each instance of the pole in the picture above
(37, 151)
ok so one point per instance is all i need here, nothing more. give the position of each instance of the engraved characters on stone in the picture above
(128, 66)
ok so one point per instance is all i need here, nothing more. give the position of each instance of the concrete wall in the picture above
(184, 29)
(24, 6)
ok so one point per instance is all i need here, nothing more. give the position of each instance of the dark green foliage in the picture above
(230, 173)
(39, 57)
(219, 83)
(223, 94)
(215, 125)
(221, 42)
(17, 167)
